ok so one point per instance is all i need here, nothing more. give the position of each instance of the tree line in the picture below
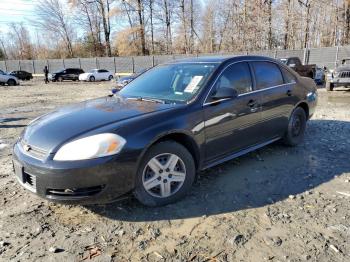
(91, 28)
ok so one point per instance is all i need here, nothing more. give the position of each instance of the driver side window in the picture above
(236, 76)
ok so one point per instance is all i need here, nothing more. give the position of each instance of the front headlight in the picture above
(90, 147)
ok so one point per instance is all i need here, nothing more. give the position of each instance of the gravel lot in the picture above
(275, 204)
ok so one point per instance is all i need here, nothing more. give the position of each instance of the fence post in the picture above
(336, 56)
(96, 62)
(133, 64)
(153, 61)
(19, 65)
(305, 56)
(64, 66)
(275, 54)
(79, 62)
(33, 64)
(5, 65)
(115, 65)
(48, 65)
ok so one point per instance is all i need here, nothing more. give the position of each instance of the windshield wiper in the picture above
(154, 100)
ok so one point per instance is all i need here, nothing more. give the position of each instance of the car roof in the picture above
(220, 59)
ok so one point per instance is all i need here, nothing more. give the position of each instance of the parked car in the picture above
(340, 76)
(297, 66)
(8, 79)
(319, 76)
(66, 74)
(22, 75)
(153, 136)
(96, 75)
(122, 81)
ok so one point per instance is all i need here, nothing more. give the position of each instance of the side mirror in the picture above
(225, 92)
(291, 65)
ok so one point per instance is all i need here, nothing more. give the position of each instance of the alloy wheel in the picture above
(164, 175)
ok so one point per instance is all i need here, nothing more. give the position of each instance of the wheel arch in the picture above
(183, 139)
(304, 105)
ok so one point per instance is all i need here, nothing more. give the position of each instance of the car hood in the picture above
(53, 129)
(343, 68)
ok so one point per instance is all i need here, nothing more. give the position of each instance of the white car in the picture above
(8, 79)
(96, 75)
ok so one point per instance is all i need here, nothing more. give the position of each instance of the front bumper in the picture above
(339, 81)
(83, 78)
(92, 181)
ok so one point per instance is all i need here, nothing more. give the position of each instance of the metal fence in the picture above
(327, 56)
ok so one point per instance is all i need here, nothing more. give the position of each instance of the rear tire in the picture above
(329, 86)
(92, 79)
(296, 128)
(171, 180)
(110, 77)
(11, 82)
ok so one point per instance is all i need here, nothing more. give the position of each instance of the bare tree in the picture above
(53, 18)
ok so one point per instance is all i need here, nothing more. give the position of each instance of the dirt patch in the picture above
(275, 204)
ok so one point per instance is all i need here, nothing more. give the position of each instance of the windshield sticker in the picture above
(191, 87)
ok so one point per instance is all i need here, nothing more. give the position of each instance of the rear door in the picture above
(277, 94)
(231, 124)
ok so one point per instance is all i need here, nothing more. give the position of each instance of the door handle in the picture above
(289, 93)
(251, 103)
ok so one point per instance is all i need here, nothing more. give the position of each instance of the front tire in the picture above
(329, 86)
(11, 82)
(296, 127)
(60, 79)
(165, 174)
(110, 78)
(92, 79)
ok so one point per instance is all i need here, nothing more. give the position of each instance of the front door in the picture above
(231, 124)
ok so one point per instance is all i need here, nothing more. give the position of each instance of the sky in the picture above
(21, 11)
(16, 11)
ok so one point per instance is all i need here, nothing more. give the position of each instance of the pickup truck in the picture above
(297, 66)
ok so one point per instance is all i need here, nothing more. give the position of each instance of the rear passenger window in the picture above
(236, 76)
(288, 77)
(267, 75)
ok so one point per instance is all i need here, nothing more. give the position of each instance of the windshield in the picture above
(174, 82)
(93, 71)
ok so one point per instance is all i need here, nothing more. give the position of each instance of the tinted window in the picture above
(102, 71)
(267, 75)
(236, 76)
(288, 77)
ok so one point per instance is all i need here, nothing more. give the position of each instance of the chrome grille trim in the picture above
(344, 74)
(34, 152)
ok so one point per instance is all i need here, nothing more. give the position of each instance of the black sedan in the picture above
(22, 75)
(153, 136)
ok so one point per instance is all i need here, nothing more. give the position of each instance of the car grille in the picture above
(345, 74)
(34, 152)
(29, 180)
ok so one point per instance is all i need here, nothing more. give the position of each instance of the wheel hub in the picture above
(164, 175)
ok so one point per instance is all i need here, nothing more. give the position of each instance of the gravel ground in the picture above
(274, 204)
